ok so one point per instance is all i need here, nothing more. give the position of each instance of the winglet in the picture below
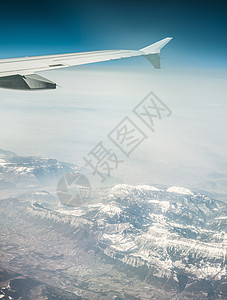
(156, 47)
(152, 52)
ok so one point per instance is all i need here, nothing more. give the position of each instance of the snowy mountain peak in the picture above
(179, 190)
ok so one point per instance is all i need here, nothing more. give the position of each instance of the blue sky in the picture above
(48, 27)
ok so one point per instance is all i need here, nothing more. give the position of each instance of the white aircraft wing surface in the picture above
(19, 73)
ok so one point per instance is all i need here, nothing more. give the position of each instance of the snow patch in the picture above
(127, 189)
(111, 209)
(163, 204)
(2, 162)
(179, 190)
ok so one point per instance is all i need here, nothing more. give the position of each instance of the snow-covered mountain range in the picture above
(18, 172)
(174, 234)
(171, 238)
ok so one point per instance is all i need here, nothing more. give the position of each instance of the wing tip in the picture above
(156, 47)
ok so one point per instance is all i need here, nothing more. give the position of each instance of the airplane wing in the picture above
(19, 73)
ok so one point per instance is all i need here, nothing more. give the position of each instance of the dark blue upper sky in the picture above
(46, 27)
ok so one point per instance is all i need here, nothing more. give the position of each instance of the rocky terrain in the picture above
(129, 242)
